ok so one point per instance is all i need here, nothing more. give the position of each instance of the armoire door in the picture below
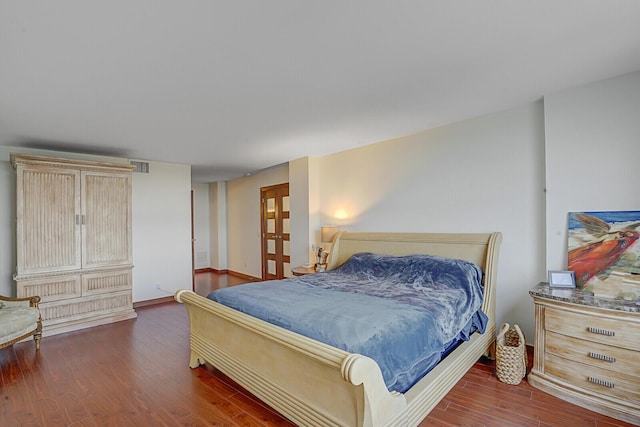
(275, 227)
(106, 219)
(48, 220)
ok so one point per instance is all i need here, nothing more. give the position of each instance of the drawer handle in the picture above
(602, 357)
(603, 383)
(601, 331)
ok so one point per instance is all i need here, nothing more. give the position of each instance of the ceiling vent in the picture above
(141, 167)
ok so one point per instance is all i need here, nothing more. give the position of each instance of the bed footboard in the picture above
(307, 381)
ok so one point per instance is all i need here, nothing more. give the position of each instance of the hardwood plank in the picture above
(464, 415)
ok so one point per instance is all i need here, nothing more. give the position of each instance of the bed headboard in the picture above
(481, 249)
(476, 248)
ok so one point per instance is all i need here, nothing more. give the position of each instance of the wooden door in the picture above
(275, 228)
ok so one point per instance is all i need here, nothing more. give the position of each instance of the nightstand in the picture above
(301, 271)
(587, 350)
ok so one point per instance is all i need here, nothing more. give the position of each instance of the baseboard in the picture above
(210, 270)
(152, 302)
(229, 272)
(244, 276)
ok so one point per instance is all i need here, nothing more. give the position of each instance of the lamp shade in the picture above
(328, 232)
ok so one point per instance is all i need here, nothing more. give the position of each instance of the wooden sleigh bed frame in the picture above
(314, 384)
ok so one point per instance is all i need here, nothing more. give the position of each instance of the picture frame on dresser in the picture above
(562, 279)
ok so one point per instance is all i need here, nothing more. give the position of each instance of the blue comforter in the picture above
(403, 312)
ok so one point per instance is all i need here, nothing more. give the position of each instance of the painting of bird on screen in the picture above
(602, 242)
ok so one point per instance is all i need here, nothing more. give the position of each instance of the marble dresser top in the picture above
(584, 297)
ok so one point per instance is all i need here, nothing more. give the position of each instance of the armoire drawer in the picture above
(602, 382)
(594, 328)
(106, 281)
(51, 288)
(594, 354)
(84, 308)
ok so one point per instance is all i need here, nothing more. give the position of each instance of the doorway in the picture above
(275, 228)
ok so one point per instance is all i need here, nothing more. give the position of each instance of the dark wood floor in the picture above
(135, 373)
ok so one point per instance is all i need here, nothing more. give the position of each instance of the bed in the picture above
(316, 384)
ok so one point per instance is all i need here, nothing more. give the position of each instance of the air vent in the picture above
(141, 167)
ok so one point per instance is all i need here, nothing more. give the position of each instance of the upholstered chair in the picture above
(19, 319)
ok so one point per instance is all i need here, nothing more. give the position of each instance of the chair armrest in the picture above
(32, 301)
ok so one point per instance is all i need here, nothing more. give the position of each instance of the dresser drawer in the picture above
(609, 331)
(594, 354)
(602, 382)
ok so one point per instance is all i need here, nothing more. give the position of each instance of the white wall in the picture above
(480, 175)
(218, 225)
(593, 155)
(243, 200)
(201, 218)
(161, 231)
(7, 225)
(243, 219)
(305, 208)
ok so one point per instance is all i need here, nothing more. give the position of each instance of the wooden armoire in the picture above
(73, 240)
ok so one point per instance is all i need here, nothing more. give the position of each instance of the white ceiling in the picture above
(237, 86)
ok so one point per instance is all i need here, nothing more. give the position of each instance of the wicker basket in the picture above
(511, 355)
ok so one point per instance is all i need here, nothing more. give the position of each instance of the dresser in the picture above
(73, 240)
(587, 350)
